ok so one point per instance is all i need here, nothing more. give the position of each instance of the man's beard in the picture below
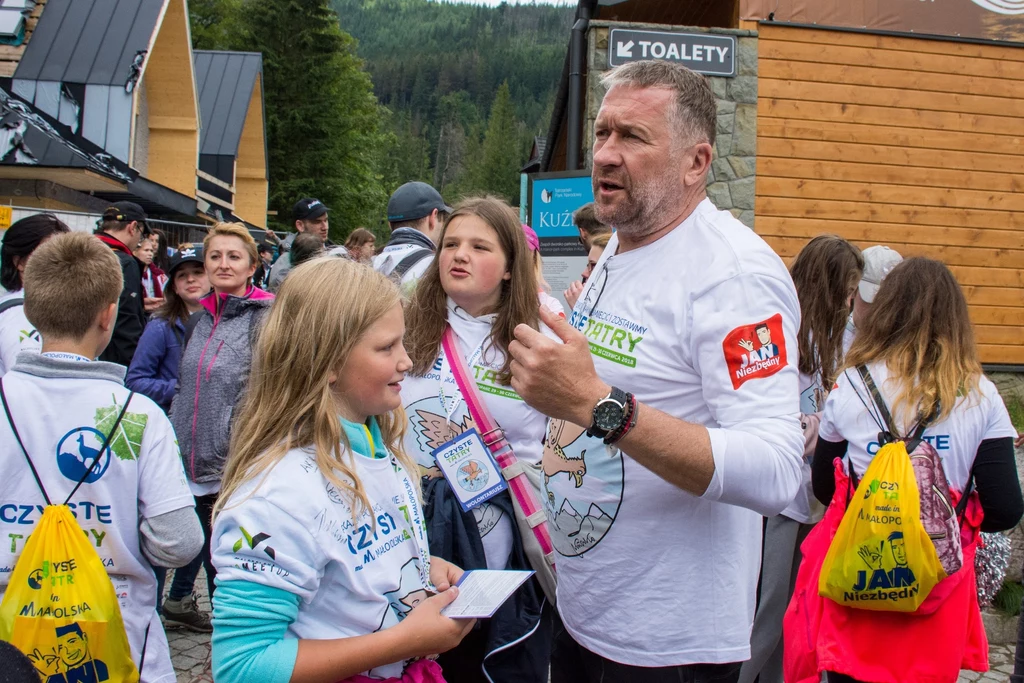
(645, 206)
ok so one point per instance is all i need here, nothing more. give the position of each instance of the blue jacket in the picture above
(154, 368)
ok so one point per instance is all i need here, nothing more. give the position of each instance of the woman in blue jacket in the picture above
(154, 368)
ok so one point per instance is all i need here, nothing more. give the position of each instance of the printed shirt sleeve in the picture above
(743, 343)
(162, 484)
(16, 335)
(257, 541)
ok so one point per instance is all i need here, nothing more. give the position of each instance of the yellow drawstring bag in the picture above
(60, 607)
(881, 557)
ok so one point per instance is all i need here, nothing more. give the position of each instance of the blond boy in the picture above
(134, 505)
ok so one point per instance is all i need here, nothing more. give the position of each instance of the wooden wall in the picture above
(913, 143)
(172, 104)
(10, 55)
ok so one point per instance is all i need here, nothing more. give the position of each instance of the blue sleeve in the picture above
(142, 373)
(249, 625)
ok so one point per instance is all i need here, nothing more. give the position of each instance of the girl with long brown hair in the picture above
(324, 571)
(918, 348)
(825, 273)
(481, 285)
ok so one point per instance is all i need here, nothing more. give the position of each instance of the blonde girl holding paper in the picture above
(324, 572)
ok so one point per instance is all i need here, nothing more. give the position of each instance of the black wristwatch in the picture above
(609, 414)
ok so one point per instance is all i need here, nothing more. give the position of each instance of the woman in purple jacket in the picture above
(154, 368)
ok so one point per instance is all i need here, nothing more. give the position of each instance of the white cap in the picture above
(878, 262)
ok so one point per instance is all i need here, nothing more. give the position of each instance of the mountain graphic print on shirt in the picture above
(583, 487)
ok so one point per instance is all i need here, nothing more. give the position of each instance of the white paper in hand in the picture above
(482, 591)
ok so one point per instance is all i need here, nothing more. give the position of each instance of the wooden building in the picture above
(99, 103)
(878, 135)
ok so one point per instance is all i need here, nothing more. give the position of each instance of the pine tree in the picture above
(502, 150)
(323, 138)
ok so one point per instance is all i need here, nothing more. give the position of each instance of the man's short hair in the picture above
(762, 326)
(68, 312)
(70, 628)
(586, 220)
(696, 112)
(418, 224)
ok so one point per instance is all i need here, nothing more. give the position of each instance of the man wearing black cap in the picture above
(415, 212)
(310, 216)
(122, 227)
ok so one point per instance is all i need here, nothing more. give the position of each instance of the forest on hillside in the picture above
(361, 96)
(439, 68)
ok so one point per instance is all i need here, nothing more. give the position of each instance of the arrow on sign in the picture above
(624, 49)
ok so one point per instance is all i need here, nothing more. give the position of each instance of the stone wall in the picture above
(731, 179)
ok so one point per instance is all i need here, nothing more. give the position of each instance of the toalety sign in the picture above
(704, 53)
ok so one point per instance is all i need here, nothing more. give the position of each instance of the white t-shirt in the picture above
(649, 574)
(849, 333)
(429, 425)
(805, 508)
(17, 334)
(956, 439)
(390, 256)
(293, 530)
(63, 422)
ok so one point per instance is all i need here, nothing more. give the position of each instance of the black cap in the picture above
(125, 212)
(308, 209)
(413, 201)
(186, 253)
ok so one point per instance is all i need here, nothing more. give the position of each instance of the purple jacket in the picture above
(154, 368)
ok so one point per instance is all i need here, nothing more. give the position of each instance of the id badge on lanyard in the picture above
(465, 461)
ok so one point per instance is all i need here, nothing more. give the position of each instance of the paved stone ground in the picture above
(1000, 663)
(190, 652)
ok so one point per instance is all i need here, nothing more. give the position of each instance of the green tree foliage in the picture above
(214, 23)
(503, 150)
(323, 138)
(441, 67)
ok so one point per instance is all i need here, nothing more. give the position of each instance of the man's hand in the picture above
(444, 574)
(747, 344)
(559, 380)
(150, 304)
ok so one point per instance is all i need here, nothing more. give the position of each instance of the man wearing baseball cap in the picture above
(122, 227)
(310, 216)
(879, 260)
(416, 213)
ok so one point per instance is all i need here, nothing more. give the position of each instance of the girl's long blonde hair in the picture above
(919, 327)
(322, 310)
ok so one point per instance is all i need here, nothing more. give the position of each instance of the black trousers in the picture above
(573, 663)
(833, 677)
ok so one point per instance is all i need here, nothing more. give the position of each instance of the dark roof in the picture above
(225, 81)
(89, 41)
(28, 137)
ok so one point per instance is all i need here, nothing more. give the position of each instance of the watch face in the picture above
(608, 416)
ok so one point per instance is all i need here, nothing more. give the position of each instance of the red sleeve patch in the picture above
(755, 351)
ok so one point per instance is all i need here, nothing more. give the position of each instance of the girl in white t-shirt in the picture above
(918, 345)
(17, 334)
(323, 567)
(482, 284)
(825, 273)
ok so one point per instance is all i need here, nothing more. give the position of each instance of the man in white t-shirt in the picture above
(878, 261)
(679, 359)
(416, 214)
